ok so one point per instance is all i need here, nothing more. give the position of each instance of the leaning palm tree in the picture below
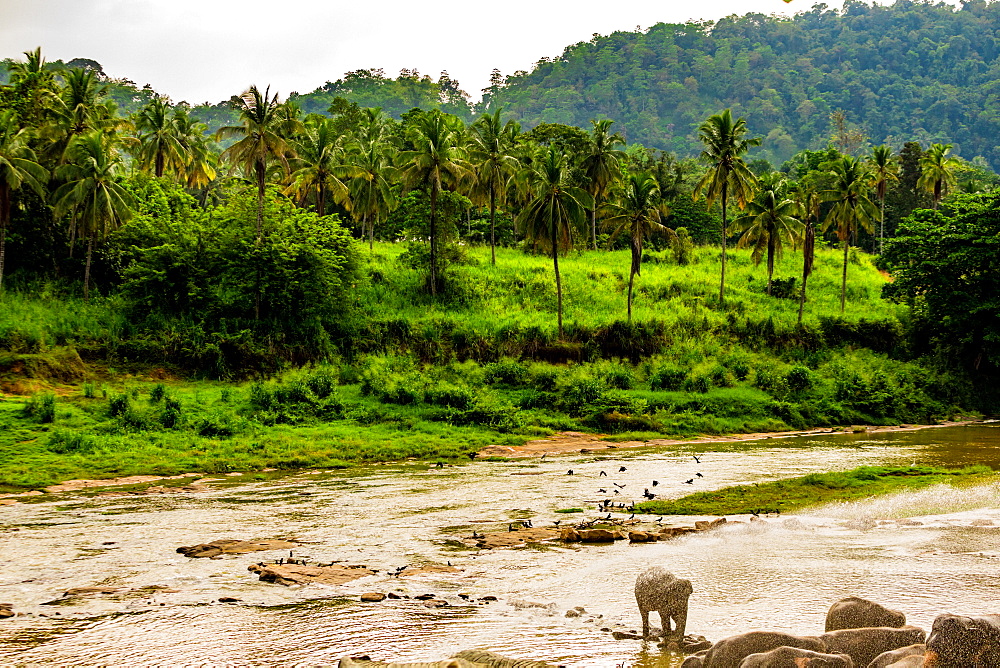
(556, 209)
(769, 222)
(809, 202)
(728, 175)
(638, 212)
(602, 166)
(852, 207)
(937, 171)
(18, 167)
(160, 144)
(91, 193)
(320, 165)
(885, 170)
(371, 193)
(260, 141)
(437, 161)
(492, 152)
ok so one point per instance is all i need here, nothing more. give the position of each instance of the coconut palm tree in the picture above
(770, 220)
(637, 212)
(556, 210)
(82, 105)
(91, 193)
(18, 167)
(885, 169)
(602, 166)
(809, 202)
(493, 154)
(33, 88)
(160, 144)
(260, 141)
(937, 171)
(728, 175)
(202, 161)
(852, 207)
(437, 161)
(320, 165)
(372, 152)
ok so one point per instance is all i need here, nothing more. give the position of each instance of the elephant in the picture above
(886, 659)
(656, 589)
(858, 613)
(863, 645)
(969, 642)
(730, 652)
(795, 657)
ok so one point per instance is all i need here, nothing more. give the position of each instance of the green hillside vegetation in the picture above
(326, 290)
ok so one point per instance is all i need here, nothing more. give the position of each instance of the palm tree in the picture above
(81, 106)
(556, 209)
(809, 202)
(372, 194)
(885, 169)
(260, 141)
(937, 171)
(492, 152)
(638, 212)
(770, 219)
(319, 165)
(34, 88)
(160, 143)
(18, 167)
(728, 175)
(199, 170)
(602, 166)
(852, 207)
(91, 191)
(436, 162)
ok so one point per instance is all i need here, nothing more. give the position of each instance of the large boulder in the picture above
(730, 652)
(290, 574)
(886, 659)
(795, 657)
(863, 645)
(859, 613)
(230, 546)
(969, 642)
(597, 535)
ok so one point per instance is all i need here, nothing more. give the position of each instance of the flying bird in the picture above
(699, 475)
(604, 473)
(618, 486)
(698, 461)
(689, 482)
(622, 469)
(655, 483)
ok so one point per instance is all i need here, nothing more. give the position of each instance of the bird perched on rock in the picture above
(557, 522)
(608, 517)
(570, 472)
(602, 491)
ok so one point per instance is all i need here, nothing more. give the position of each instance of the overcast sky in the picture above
(207, 50)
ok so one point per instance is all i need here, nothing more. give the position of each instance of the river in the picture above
(918, 552)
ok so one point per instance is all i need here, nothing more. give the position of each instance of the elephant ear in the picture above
(686, 588)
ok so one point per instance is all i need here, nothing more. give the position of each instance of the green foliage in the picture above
(41, 408)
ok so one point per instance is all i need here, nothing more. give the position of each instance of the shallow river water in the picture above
(918, 552)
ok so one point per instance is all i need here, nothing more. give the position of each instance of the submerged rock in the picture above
(372, 597)
(290, 574)
(7, 610)
(229, 546)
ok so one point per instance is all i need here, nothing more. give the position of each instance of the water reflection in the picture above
(780, 574)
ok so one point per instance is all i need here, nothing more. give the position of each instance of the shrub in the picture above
(119, 405)
(799, 378)
(667, 377)
(452, 396)
(170, 416)
(697, 382)
(156, 392)
(507, 372)
(41, 407)
(619, 376)
(66, 442)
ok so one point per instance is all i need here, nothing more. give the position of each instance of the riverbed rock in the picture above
(481, 657)
(707, 525)
(642, 536)
(7, 610)
(517, 538)
(372, 597)
(597, 535)
(290, 574)
(229, 546)
(569, 535)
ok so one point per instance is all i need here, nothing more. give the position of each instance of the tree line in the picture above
(71, 166)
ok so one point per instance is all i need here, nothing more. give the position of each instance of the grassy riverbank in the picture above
(814, 489)
(93, 394)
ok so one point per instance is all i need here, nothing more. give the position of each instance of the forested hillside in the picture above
(910, 71)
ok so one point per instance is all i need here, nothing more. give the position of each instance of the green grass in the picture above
(813, 490)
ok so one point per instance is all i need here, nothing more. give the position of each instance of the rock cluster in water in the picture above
(217, 548)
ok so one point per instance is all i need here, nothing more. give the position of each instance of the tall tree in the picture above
(32, 89)
(91, 192)
(637, 212)
(437, 161)
(372, 152)
(492, 153)
(160, 144)
(259, 140)
(937, 171)
(556, 209)
(81, 106)
(201, 159)
(809, 202)
(320, 165)
(769, 222)
(602, 166)
(885, 170)
(728, 176)
(18, 167)
(852, 207)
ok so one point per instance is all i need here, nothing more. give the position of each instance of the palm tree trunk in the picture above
(843, 283)
(555, 264)
(370, 227)
(159, 164)
(722, 284)
(4, 221)
(3, 252)
(881, 234)
(493, 223)
(802, 296)
(321, 201)
(770, 260)
(631, 279)
(86, 271)
(433, 240)
(593, 224)
(261, 187)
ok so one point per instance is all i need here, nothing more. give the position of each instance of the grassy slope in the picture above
(220, 431)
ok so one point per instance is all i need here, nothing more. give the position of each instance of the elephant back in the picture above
(969, 642)
(730, 652)
(859, 613)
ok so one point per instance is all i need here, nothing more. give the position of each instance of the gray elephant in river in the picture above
(657, 590)
(859, 613)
